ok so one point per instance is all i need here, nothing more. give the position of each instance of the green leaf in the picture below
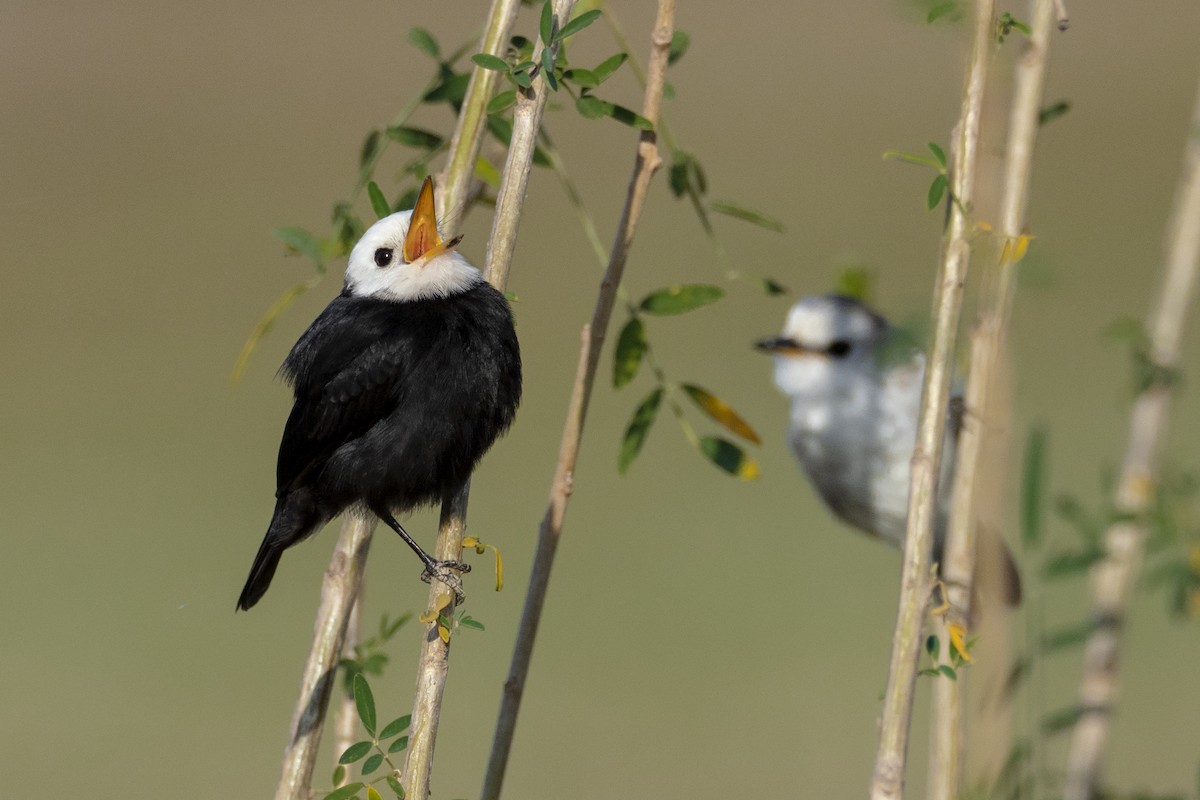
(771, 287)
(339, 774)
(369, 148)
(608, 66)
(546, 28)
(398, 745)
(423, 40)
(347, 791)
(395, 726)
(502, 102)
(937, 190)
(592, 107)
(720, 411)
(394, 782)
(452, 88)
(948, 671)
(355, 752)
(932, 646)
(522, 79)
(639, 428)
(576, 25)
(364, 701)
(949, 10)
(489, 61)
(1032, 477)
(372, 763)
(679, 175)
(470, 622)
(379, 203)
(500, 128)
(548, 68)
(1073, 563)
(301, 241)
(680, 298)
(415, 137)
(938, 152)
(679, 45)
(630, 118)
(1062, 719)
(627, 356)
(583, 78)
(1069, 636)
(856, 282)
(729, 457)
(748, 215)
(1053, 112)
(910, 158)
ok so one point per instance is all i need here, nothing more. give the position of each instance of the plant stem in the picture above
(958, 567)
(345, 721)
(339, 588)
(890, 763)
(1113, 578)
(433, 664)
(646, 163)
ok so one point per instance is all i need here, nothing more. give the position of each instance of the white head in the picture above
(402, 257)
(825, 340)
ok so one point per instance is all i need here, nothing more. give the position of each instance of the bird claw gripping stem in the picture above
(448, 573)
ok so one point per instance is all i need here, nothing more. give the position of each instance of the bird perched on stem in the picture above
(855, 388)
(401, 384)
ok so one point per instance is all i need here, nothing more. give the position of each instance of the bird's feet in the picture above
(448, 573)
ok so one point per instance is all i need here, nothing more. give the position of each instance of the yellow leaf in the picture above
(444, 633)
(470, 541)
(957, 636)
(986, 227)
(721, 411)
(428, 616)
(444, 600)
(372, 794)
(499, 570)
(748, 471)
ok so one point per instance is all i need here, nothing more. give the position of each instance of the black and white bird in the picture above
(855, 393)
(401, 385)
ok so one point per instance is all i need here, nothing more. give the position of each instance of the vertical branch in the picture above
(888, 779)
(646, 162)
(433, 663)
(468, 132)
(987, 340)
(1113, 577)
(345, 721)
(339, 589)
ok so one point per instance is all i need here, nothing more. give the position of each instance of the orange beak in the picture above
(423, 242)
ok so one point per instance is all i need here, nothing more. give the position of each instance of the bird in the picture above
(400, 386)
(855, 383)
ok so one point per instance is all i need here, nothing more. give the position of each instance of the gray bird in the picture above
(855, 390)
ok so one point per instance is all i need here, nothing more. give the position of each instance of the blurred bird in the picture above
(401, 384)
(855, 389)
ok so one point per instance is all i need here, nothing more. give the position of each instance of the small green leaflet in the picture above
(355, 752)
(396, 787)
(423, 40)
(720, 411)
(748, 215)
(627, 356)
(681, 298)
(347, 791)
(364, 701)
(372, 763)
(379, 203)
(548, 23)
(489, 61)
(608, 66)
(679, 45)
(576, 25)
(728, 456)
(1051, 113)
(548, 68)
(502, 102)
(583, 78)
(302, 242)
(937, 190)
(938, 152)
(639, 427)
(855, 282)
(369, 149)
(415, 137)
(395, 726)
(593, 107)
(398, 745)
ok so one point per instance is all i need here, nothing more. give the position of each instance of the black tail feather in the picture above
(260, 574)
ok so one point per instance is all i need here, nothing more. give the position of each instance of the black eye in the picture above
(383, 256)
(839, 348)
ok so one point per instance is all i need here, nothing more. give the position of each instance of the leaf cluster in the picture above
(373, 752)
(369, 656)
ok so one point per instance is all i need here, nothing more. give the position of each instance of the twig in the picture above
(433, 664)
(1114, 576)
(888, 779)
(345, 719)
(339, 588)
(646, 163)
(987, 340)
(1060, 10)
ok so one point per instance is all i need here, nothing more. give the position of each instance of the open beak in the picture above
(423, 243)
(781, 346)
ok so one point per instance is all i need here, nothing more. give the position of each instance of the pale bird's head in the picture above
(825, 338)
(402, 257)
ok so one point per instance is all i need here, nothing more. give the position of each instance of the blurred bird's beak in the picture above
(781, 346)
(423, 243)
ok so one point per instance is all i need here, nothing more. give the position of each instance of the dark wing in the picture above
(346, 371)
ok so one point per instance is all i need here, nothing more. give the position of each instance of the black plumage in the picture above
(395, 403)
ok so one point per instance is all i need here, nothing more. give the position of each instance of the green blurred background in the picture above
(704, 636)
